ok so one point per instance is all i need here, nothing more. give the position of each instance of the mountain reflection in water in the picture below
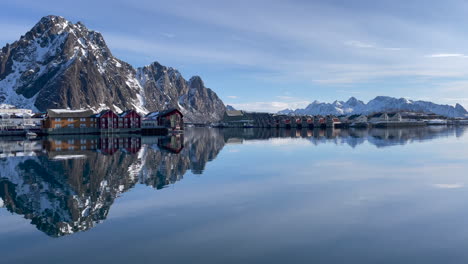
(68, 184)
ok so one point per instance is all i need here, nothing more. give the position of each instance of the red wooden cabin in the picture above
(130, 119)
(107, 119)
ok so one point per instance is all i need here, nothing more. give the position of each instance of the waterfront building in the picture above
(65, 121)
(107, 119)
(16, 111)
(237, 118)
(378, 117)
(129, 119)
(171, 119)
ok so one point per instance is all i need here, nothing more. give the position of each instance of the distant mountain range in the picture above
(58, 64)
(378, 104)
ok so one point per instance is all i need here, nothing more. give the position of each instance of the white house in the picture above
(16, 111)
(379, 117)
(396, 117)
(358, 119)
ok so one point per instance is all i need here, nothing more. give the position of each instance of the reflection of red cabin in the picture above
(107, 119)
(173, 144)
(108, 145)
(310, 121)
(130, 119)
(322, 120)
(132, 144)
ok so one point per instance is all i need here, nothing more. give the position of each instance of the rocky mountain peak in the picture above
(196, 83)
(58, 64)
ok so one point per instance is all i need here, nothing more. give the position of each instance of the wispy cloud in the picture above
(364, 45)
(449, 185)
(359, 44)
(232, 96)
(287, 97)
(168, 35)
(447, 55)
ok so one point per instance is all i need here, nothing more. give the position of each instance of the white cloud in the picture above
(287, 98)
(168, 35)
(232, 97)
(447, 55)
(449, 185)
(359, 44)
(364, 45)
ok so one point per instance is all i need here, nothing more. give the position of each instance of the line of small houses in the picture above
(330, 121)
(66, 121)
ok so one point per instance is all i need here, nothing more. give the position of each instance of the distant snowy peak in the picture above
(378, 104)
(230, 108)
(286, 111)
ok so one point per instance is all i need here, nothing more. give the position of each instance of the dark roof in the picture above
(125, 113)
(170, 111)
(392, 114)
(103, 112)
(377, 115)
(163, 113)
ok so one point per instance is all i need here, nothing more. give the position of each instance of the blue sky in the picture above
(270, 55)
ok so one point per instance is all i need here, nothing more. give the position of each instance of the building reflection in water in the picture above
(67, 184)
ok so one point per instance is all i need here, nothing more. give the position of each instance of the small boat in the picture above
(436, 122)
(31, 135)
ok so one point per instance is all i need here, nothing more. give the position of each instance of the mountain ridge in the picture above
(378, 104)
(58, 64)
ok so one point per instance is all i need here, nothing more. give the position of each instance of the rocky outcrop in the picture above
(165, 86)
(58, 64)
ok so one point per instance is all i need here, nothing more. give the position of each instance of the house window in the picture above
(83, 119)
(71, 141)
(71, 125)
(82, 125)
(70, 119)
(58, 125)
(58, 119)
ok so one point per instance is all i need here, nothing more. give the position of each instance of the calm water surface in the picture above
(237, 196)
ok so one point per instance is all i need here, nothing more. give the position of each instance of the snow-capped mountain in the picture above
(58, 64)
(378, 104)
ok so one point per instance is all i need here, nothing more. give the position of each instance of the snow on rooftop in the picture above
(66, 111)
(68, 157)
